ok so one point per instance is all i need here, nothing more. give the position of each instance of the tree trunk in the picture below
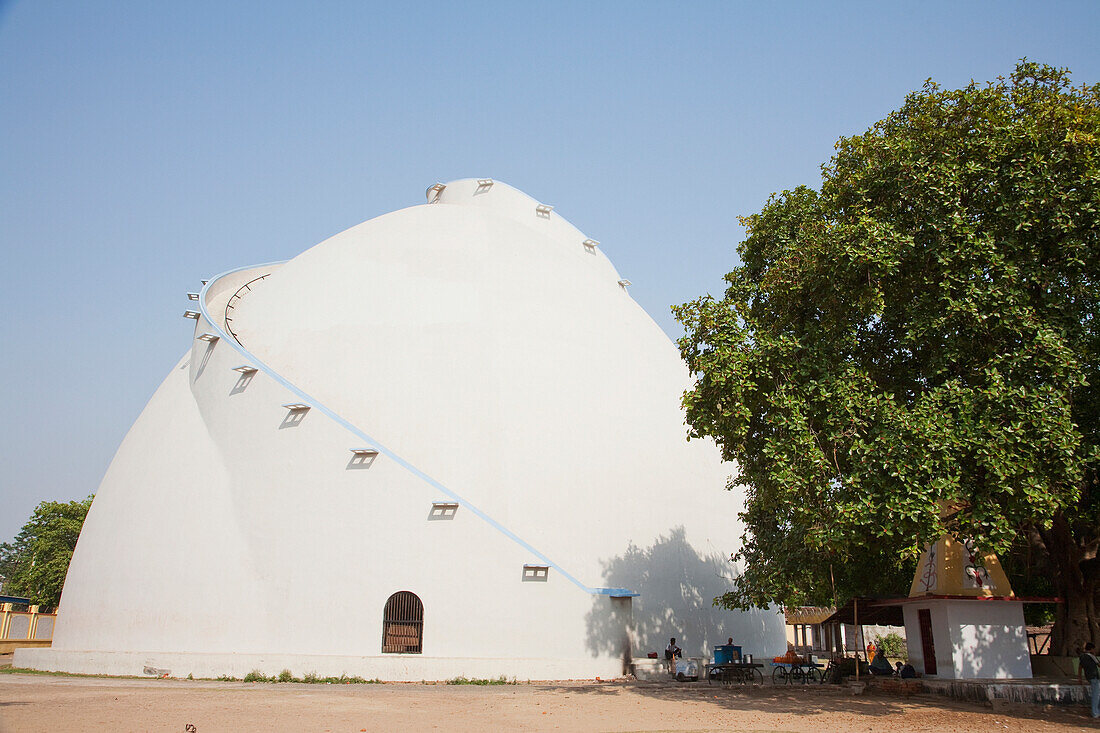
(1075, 573)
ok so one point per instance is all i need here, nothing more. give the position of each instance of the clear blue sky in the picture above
(147, 145)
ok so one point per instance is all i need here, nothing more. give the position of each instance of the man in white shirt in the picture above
(671, 653)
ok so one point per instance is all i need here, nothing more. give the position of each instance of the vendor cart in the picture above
(728, 673)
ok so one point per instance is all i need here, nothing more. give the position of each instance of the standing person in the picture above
(1089, 669)
(671, 653)
(729, 642)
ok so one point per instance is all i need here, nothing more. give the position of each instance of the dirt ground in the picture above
(44, 703)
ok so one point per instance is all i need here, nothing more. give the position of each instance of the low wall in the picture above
(993, 691)
(1049, 665)
(7, 646)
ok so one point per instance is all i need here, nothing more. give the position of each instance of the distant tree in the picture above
(35, 563)
(913, 351)
(892, 646)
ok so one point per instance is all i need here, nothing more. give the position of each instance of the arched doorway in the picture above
(403, 624)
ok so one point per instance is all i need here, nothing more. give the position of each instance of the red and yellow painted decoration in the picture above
(954, 568)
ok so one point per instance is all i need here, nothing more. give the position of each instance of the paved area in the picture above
(44, 703)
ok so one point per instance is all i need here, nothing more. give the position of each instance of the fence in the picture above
(19, 629)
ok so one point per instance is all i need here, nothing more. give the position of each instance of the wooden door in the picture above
(928, 646)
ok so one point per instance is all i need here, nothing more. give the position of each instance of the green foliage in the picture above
(310, 678)
(921, 334)
(1031, 578)
(892, 646)
(346, 680)
(502, 680)
(34, 565)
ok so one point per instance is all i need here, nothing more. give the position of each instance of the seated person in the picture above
(907, 672)
(880, 665)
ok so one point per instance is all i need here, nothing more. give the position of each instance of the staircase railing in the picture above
(232, 303)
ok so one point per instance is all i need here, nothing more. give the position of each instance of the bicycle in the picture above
(796, 673)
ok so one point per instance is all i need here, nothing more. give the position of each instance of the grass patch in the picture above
(502, 680)
(255, 675)
(311, 678)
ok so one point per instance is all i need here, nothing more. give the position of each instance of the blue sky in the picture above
(145, 146)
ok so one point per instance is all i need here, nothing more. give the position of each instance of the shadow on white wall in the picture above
(678, 587)
(992, 651)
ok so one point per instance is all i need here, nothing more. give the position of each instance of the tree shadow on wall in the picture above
(678, 587)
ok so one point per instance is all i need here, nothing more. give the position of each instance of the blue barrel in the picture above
(727, 653)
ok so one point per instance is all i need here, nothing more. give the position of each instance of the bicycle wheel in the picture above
(779, 675)
(814, 675)
(797, 675)
(757, 677)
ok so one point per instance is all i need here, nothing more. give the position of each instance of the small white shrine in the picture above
(962, 620)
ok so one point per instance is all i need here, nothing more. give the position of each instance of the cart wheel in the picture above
(779, 675)
(815, 675)
(757, 676)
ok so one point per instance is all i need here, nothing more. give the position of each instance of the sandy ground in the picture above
(43, 703)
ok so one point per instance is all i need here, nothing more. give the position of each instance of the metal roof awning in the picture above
(888, 611)
(807, 614)
(872, 612)
(941, 597)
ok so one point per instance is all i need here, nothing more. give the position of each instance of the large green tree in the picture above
(921, 334)
(35, 563)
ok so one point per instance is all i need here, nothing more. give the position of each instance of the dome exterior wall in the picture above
(480, 355)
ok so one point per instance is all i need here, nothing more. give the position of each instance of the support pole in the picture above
(855, 618)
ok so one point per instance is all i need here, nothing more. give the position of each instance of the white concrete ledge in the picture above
(388, 667)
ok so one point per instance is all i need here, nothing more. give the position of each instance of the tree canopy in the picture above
(912, 350)
(34, 565)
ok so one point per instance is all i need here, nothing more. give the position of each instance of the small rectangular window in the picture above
(536, 573)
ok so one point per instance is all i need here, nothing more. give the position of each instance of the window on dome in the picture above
(403, 624)
(536, 573)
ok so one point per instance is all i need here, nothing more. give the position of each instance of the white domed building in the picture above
(443, 442)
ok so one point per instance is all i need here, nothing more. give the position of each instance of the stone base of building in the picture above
(388, 668)
(998, 692)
